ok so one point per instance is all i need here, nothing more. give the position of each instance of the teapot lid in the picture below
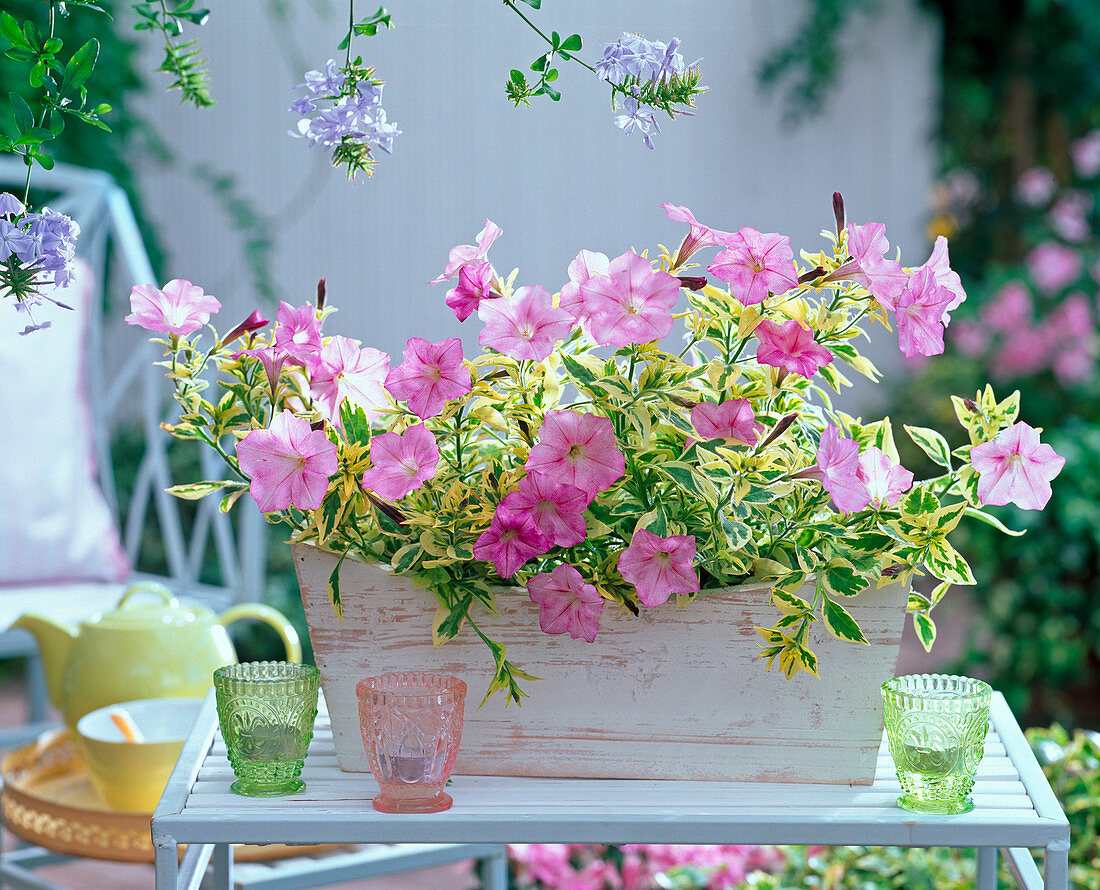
(135, 615)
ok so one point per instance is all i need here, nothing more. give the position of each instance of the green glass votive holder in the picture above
(266, 710)
(936, 726)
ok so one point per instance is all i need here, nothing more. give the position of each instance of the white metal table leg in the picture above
(495, 870)
(166, 864)
(1056, 866)
(987, 868)
(223, 866)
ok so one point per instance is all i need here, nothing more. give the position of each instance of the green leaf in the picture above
(516, 76)
(992, 520)
(947, 564)
(24, 117)
(931, 443)
(540, 63)
(194, 491)
(230, 499)
(555, 39)
(9, 28)
(354, 420)
(334, 589)
(840, 624)
(918, 602)
(926, 629)
(551, 92)
(572, 43)
(788, 603)
(80, 66)
(534, 4)
(843, 580)
(578, 371)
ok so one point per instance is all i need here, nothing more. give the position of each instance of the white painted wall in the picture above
(556, 177)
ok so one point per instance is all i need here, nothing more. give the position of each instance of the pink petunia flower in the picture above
(430, 374)
(180, 308)
(1053, 266)
(698, 235)
(401, 462)
(555, 507)
(632, 303)
(475, 283)
(919, 312)
(579, 450)
(298, 331)
(272, 358)
(586, 264)
(343, 370)
(733, 419)
(289, 464)
(790, 346)
(1015, 468)
(886, 481)
(659, 567)
(525, 325)
(883, 278)
(754, 264)
(254, 322)
(566, 604)
(839, 465)
(465, 254)
(510, 541)
(939, 264)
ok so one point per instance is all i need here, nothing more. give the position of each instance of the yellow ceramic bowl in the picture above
(131, 775)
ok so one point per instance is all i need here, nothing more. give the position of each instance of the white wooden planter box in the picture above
(676, 693)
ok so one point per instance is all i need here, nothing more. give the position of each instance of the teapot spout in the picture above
(55, 642)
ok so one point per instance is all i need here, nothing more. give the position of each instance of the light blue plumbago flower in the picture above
(10, 205)
(647, 77)
(342, 111)
(641, 117)
(13, 240)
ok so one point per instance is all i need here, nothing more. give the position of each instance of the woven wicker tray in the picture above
(48, 800)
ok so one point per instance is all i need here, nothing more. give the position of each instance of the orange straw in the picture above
(125, 723)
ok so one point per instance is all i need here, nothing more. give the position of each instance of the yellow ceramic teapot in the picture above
(141, 649)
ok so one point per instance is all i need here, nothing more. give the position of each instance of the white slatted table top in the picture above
(1014, 806)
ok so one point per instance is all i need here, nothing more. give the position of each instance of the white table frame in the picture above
(1015, 810)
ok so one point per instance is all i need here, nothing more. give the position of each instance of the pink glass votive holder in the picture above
(412, 724)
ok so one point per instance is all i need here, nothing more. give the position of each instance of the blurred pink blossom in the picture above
(1009, 309)
(732, 419)
(886, 481)
(885, 279)
(970, 338)
(919, 313)
(1053, 266)
(1085, 153)
(1069, 217)
(838, 468)
(465, 254)
(179, 308)
(939, 264)
(1036, 186)
(1026, 351)
(525, 325)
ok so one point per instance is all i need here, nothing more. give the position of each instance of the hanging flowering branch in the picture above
(342, 107)
(646, 77)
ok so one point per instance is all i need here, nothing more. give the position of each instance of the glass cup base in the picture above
(258, 789)
(936, 807)
(437, 804)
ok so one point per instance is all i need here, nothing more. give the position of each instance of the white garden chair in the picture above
(122, 385)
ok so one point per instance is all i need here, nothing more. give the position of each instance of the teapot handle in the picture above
(272, 617)
(148, 587)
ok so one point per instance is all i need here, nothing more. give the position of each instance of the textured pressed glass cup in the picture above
(412, 724)
(266, 710)
(936, 726)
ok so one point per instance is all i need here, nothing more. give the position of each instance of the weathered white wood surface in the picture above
(676, 693)
(1014, 807)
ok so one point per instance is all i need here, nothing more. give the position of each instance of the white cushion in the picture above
(55, 525)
